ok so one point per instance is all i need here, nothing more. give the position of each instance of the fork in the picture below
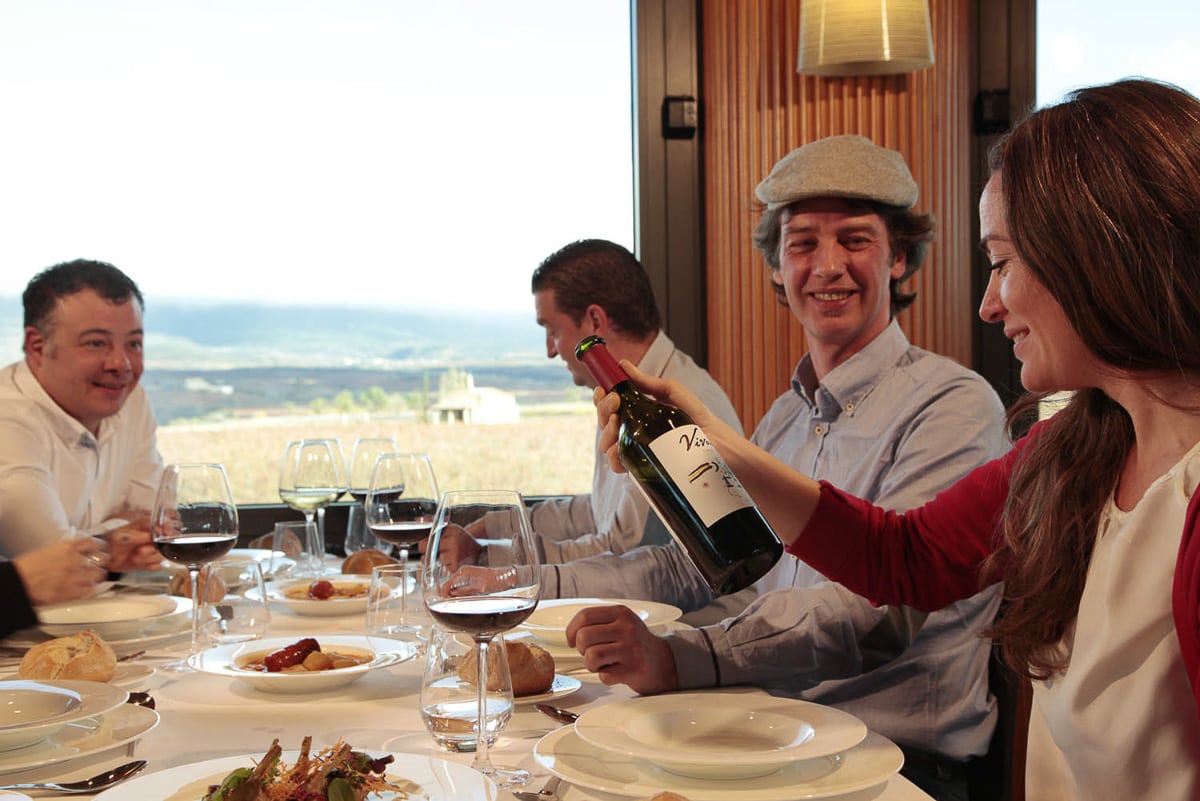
(547, 793)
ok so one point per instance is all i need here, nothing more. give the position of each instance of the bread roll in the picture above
(212, 588)
(531, 668)
(361, 562)
(82, 656)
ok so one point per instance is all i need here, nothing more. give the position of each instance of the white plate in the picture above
(720, 735)
(124, 724)
(223, 661)
(868, 764)
(161, 630)
(326, 608)
(129, 674)
(113, 617)
(61, 703)
(549, 621)
(562, 685)
(439, 779)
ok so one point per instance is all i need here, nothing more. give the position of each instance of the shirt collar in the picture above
(847, 385)
(65, 427)
(658, 355)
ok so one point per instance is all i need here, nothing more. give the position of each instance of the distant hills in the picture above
(239, 357)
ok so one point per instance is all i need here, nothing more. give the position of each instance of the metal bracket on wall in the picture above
(680, 117)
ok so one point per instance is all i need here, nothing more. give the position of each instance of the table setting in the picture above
(325, 674)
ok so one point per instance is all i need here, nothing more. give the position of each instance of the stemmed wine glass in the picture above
(490, 591)
(362, 464)
(312, 475)
(194, 521)
(402, 499)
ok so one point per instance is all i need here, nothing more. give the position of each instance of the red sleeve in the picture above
(1185, 595)
(926, 558)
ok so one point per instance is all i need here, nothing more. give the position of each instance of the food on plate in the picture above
(303, 656)
(212, 588)
(324, 590)
(83, 656)
(289, 544)
(362, 562)
(337, 773)
(667, 795)
(530, 666)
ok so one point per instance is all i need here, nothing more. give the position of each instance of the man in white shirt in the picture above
(594, 286)
(78, 454)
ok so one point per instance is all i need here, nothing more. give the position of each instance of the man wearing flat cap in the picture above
(867, 410)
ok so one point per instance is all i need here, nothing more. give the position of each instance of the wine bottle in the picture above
(686, 481)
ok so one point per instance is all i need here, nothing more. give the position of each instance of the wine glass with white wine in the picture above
(194, 521)
(311, 476)
(494, 590)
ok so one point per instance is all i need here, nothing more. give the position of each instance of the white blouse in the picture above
(1121, 722)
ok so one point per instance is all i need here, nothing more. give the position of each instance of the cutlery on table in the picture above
(558, 713)
(92, 785)
(547, 793)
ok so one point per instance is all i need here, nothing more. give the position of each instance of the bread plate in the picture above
(228, 661)
(549, 621)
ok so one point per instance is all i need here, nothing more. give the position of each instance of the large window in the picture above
(333, 209)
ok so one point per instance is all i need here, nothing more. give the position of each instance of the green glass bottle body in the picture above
(686, 482)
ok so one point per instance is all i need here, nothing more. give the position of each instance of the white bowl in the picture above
(227, 660)
(549, 621)
(719, 735)
(115, 617)
(277, 593)
(31, 711)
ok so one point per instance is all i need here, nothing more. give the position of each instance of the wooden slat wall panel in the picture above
(757, 109)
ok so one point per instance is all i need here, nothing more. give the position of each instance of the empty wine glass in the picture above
(362, 465)
(312, 475)
(487, 592)
(194, 521)
(402, 499)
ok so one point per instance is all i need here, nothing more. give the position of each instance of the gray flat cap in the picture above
(840, 166)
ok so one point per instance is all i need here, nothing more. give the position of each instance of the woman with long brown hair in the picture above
(1091, 222)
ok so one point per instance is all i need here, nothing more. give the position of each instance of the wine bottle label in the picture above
(700, 473)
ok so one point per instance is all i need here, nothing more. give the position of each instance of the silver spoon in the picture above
(92, 785)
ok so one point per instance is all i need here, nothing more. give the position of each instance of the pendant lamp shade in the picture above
(864, 37)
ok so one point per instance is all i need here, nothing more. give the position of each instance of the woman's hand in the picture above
(665, 391)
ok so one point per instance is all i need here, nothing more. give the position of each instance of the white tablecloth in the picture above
(204, 717)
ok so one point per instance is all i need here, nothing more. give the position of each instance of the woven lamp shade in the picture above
(864, 37)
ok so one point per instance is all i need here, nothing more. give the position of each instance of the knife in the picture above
(558, 713)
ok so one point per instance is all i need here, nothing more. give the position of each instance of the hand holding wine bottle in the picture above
(675, 464)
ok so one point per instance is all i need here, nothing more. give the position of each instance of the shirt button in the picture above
(849, 407)
(819, 429)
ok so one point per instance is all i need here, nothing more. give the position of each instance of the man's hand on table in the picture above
(617, 645)
(130, 545)
(63, 571)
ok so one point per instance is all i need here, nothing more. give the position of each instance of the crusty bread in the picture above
(531, 668)
(83, 656)
(361, 562)
(212, 588)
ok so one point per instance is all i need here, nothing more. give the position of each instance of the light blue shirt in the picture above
(895, 424)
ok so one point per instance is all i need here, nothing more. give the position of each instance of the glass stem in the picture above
(194, 572)
(312, 544)
(404, 587)
(482, 761)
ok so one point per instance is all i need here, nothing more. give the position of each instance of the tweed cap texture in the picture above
(840, 166)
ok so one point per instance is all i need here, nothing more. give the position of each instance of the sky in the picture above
(1081, 42)
(384, 153)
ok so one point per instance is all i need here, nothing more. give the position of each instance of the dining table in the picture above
(204, 716)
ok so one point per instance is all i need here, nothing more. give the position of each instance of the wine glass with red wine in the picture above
(401, 500)
(194, 521)
(485, 589)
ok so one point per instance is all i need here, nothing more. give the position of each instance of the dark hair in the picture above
(69, 277)
(1099, 193)
(909, 232)
(596, 271)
